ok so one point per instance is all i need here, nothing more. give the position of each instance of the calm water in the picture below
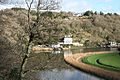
(53, 67)
(64, 74)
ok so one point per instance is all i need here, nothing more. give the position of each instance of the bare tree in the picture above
(4, 1)
(29, 5)
(46, 5)
(28, 30)
(41, 5)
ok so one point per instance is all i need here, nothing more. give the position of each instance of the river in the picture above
(51, 66)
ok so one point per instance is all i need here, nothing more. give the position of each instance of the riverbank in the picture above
(41, 49)
(75, 60)
(37, 48)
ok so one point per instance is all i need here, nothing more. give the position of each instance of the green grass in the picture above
(113, 61)
(109, 61)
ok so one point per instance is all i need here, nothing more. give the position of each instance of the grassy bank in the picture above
(108, 61)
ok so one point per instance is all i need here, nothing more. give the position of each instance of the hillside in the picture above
(12, 43)
(93, 30)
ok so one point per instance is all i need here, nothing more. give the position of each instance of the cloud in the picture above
(8, 6)
(5, 7)
(75, 5)
(14, 3)
(107, 9)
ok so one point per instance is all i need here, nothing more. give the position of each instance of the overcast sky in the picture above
(84, 5)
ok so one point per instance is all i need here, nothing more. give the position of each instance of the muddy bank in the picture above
(75, 60)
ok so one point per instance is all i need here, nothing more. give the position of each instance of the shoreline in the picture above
(37, 48)
(75, 60)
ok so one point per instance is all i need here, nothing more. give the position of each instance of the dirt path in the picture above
(74, 59)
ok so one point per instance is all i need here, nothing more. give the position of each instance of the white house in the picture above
(68, 40)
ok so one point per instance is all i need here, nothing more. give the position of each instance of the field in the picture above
(110, 61)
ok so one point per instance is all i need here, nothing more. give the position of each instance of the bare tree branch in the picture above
(47, 5)
(29, 5)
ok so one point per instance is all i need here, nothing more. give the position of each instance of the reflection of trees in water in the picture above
(50, 60)
(50, 66)
(43, 61)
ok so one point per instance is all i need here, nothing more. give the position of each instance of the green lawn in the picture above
(109, 61)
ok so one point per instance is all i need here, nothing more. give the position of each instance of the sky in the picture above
(94, 5)
(80, 6)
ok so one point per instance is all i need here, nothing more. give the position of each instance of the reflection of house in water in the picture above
(66, 52)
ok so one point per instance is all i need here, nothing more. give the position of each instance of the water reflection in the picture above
(84, 50)
(67, 52)
(51, 66)
(64, 74)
